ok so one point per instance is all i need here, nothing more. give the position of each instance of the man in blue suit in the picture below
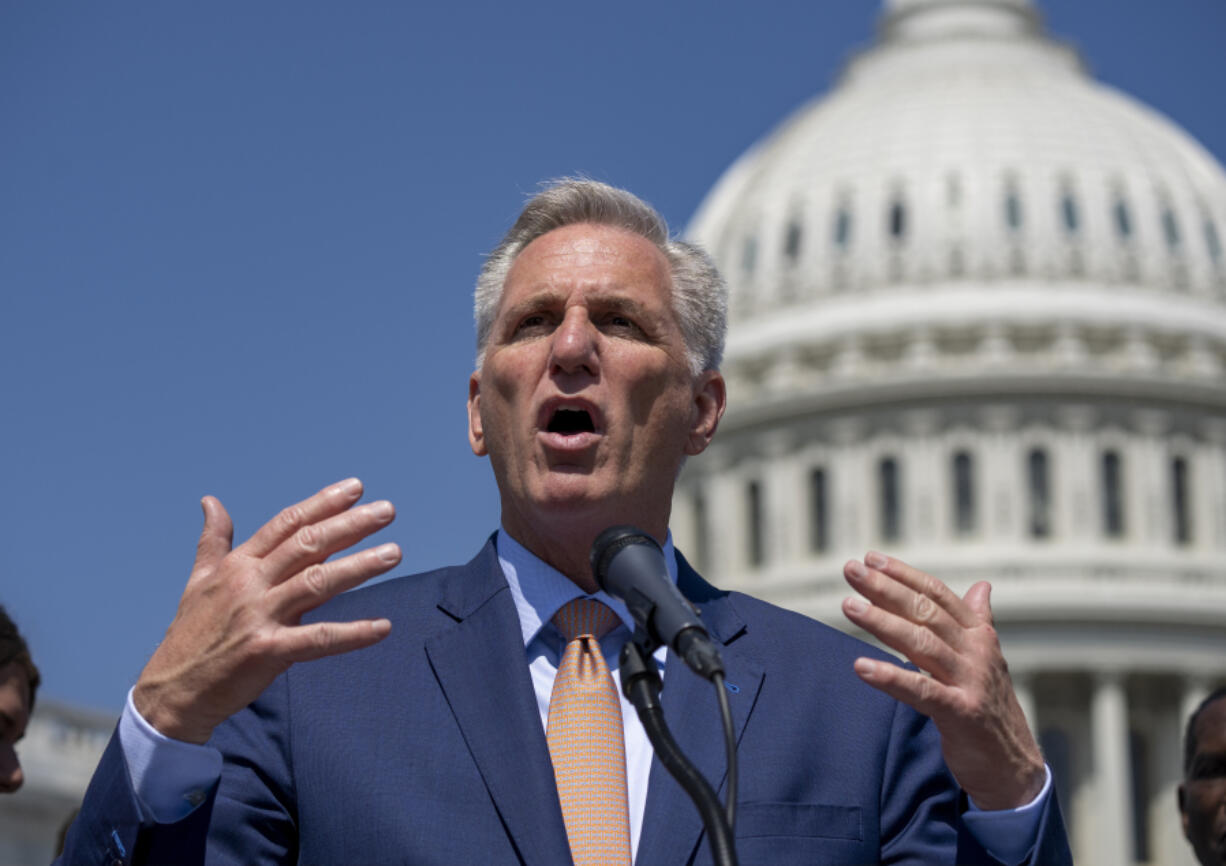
(417, 731)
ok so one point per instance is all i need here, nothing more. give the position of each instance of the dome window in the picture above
(819, 532)
(749, 255)
(890, 502)
(1068, 211)
(842, 228)
(791, 242)
(964, 493)
(1112, 495)
(1181, 518)
(1123, 220)
(1212, 241)
(755, 523)
(1013, 211)
(898, 220)
(1039, 486)
(1170, 228)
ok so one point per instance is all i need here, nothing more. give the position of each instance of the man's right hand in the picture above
(237, 627)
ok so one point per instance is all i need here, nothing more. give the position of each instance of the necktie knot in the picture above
(585, 616)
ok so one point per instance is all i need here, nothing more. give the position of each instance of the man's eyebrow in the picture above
(621, 302)
(597, 300)
(537, 301)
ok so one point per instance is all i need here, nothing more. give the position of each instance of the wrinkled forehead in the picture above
(593, 253)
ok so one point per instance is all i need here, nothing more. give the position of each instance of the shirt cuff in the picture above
(1008, 834)
(170, 777)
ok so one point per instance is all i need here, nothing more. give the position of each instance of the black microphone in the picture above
(629, 564)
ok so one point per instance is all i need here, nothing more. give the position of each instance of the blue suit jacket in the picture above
(428, 749)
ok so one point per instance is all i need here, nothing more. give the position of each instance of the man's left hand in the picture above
(964, 688)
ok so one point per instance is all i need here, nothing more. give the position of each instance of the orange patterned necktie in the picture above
(586, 741)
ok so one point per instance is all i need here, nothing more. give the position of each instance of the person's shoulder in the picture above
(809, 663)
(770, 630)
(406, 594)
(770, 625)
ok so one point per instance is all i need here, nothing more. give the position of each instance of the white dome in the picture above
(979, 321)
(966, 171)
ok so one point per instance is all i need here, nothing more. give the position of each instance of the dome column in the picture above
(853, 520)
(783, 478)
(1152, 520)
(1112, 776)
(1000, 486)
(923, 465)
(1167, 843)
(725, 496)
(1074, 475)
(1214, 456)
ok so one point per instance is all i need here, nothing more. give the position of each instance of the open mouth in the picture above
(570, 422)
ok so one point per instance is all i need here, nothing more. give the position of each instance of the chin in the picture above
(577, 499)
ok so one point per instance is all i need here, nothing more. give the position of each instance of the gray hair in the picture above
(700, 295)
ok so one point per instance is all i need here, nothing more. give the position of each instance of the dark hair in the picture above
(1189, 738)
(13, 648)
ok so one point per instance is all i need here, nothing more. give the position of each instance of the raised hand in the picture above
(237, 626)
(965, 689)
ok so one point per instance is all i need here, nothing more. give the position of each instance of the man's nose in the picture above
(10, 770)
(574, 344)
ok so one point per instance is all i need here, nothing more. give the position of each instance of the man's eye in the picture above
(529, 323)
(618, 322)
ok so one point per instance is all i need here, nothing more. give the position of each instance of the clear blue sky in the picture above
(237, 244)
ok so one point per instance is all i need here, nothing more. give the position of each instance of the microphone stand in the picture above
(641, 684)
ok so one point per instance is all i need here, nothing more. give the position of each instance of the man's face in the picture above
(1202, 796)
(585, 402)
(14, 713)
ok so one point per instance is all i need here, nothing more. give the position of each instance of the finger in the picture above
(306, 642)
(315, 542)
(924, 583)
(889, 594)
(922, 693)
(216, 536)
(317, 583)
(327, 502)
(979, 599)
(922, 646)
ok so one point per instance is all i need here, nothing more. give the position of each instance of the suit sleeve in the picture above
(109, 830)
(248, 818)
(917, 797)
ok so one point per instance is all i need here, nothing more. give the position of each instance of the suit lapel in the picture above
(671, 824)
(480, 665)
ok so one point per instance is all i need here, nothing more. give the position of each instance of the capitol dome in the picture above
(972, 180)
(978, 320)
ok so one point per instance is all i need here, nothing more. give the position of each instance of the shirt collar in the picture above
(539, 589)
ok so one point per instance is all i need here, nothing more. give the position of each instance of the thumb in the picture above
(217, 536)
(979, 599)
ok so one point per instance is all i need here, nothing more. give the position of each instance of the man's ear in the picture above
(1182, 794)
(476, 433)
(710, 400)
